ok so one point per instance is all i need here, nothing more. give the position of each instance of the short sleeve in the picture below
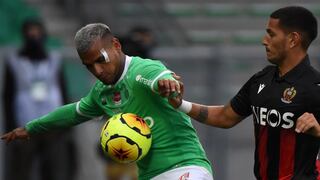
(151, 73)
(314, 101)
(240, 103)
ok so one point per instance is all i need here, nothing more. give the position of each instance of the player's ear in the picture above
(295, 39)
(116, 43)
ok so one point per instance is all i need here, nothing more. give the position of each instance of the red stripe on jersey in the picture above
(318, 168)
(287, 154)
(263, 159)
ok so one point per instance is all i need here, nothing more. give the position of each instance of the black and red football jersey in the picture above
(276, 103)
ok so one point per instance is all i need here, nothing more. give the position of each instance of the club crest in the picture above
(116, 98)
(288, 95)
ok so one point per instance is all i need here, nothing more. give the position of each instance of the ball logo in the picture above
(288, 95)
(121, 154)
(133, 121)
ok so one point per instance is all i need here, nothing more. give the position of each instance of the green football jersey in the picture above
(174, 140)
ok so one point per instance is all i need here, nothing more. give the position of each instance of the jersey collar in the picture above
(296, 72)
(126, 66)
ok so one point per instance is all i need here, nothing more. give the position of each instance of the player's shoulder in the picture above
(268, 70)
(313, 75)
(145, 67)
(312, 85)
(141, 62)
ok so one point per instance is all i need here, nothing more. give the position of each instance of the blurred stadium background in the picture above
(215, 45)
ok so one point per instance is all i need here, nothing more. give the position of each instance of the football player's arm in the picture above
(62, 117)
(67, 115)
(217, 116)
(221, 116)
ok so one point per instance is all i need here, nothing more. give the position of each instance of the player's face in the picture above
(103, 59)
(276, 42)
(34, 32)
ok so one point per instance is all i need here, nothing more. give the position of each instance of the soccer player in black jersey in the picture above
(284, 99)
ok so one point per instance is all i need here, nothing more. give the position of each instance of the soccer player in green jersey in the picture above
(130, 84)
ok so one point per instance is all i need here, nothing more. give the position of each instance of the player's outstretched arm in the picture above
(217, 116)
(18, 133)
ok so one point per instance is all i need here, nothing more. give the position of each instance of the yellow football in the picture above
(126, 138)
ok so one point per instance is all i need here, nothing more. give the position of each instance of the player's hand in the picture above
(178, 78)
(18, 133)
(307, 123)
(168, 87)
(171, 89)
(175, 101)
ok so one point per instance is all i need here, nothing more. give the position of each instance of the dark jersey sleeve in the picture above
(240, 103)
(314, 98)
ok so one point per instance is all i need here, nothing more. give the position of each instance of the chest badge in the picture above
(288, 95)
(116, 98)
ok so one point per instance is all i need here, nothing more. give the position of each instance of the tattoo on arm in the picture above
(203, 115)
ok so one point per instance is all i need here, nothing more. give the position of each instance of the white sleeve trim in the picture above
(161, 74)
(80, 113)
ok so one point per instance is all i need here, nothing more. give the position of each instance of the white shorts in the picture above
(185, 173)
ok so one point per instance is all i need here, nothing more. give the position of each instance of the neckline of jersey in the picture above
(126, 67)
(294, 73)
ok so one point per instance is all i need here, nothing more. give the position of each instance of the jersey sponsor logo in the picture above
(288, 95)
(143, 80)
(138, 77)
(261, 86)
(272, 117)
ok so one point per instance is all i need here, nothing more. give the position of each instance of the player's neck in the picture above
(121, 67)
(291, 61)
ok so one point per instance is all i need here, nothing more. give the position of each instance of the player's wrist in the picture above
(185, 106)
